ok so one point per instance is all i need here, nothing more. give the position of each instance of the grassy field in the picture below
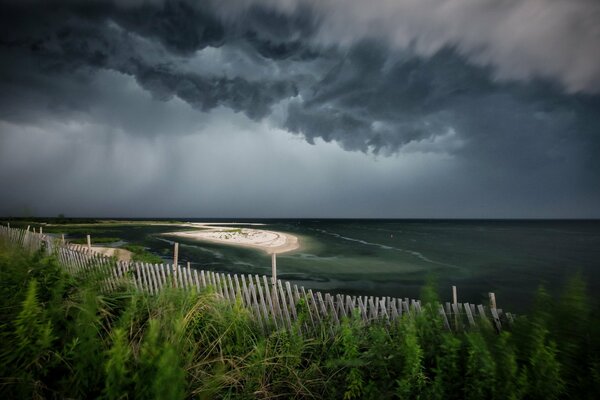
(61, 336)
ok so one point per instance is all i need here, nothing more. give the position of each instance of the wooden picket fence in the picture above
(274, 305)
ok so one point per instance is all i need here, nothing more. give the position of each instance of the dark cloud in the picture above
(373, 102)
(146, 42)
(422, 85)
(518, 40)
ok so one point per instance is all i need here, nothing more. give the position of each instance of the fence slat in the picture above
(496, 319)
(469, 314)
(269, 297)
(218, 285)
(241, 291)
(384, 313)
(321, 304)
(372, 309)
(284, 306)
(313, 302)
(247, 294)
(136, 277)
(203, 278)
(156, 273)
(255, 304)
(210, 280)
(457, 318)
(481, 311)
(341, 307)
(332, 308)
(394, 310)
(181, 277)
(232, 290)
(163, 275)
(221, 280)
(291, 300)
(363, 309)
(262, 299)
(146, 271)
(184, 277)
(196, 280)
(444, 317)
(305, 297)
(144, 280)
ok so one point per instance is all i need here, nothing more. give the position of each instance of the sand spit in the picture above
(268, 241)
(120, 254)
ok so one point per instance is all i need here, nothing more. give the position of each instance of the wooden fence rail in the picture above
(278, 306)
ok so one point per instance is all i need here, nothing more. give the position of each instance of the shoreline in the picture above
(120, 254)
(262, 239)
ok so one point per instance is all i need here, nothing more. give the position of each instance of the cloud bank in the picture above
(504, 93)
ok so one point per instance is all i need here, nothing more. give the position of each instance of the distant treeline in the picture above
(61, 219)
(62, 337)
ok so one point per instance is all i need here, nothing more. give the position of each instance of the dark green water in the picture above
(394, 257)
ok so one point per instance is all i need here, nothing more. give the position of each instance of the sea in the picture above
(511, 258)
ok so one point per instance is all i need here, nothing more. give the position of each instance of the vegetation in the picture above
(60, 219)
(62, 336)
(141, 254)
(96, 240)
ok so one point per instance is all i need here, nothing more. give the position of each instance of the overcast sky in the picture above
(300, 108)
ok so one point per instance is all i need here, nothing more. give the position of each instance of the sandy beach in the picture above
(120, 254)
(268, 241)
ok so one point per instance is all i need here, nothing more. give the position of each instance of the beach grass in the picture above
(63, 337)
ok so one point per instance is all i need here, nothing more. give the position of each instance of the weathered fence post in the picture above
(62, 239)
(175, 255)
(454, 296)
(492, 300)
(89, 242)
(274, 269)
(494, 312)
(175, 262)
(455, 308)
(274, 278)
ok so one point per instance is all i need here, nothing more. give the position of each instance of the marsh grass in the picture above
(96, 240)
(64, 336)
(140, 254)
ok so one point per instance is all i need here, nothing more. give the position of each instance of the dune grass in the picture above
(62, 336)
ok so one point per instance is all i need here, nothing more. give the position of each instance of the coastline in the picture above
(265, 240)
(120, 254)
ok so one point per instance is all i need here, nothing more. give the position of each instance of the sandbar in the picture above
(266, 240)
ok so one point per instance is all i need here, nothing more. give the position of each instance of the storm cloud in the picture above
(504, 95)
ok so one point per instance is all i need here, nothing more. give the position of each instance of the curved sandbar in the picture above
(268, 241)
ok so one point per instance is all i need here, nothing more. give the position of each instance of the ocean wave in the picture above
(414, 253)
